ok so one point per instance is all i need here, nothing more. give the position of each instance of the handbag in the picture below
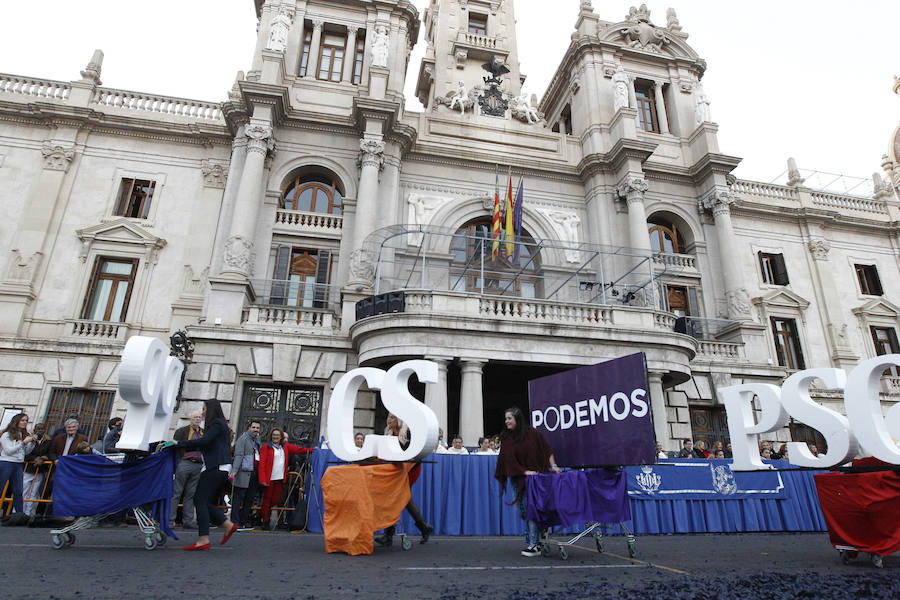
(247, 463)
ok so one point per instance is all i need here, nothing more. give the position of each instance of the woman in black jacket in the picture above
(215, 446)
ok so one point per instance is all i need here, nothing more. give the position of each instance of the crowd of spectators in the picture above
(716, 449)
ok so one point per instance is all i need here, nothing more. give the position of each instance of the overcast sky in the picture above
(802, 78)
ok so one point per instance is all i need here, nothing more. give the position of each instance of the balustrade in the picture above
(38, 88)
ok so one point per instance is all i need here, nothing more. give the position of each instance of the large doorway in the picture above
(709, 424)
(295, 409)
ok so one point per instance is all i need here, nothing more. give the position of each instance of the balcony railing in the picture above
(292, 304)
(703, 329)
(765, 190)
(97, 330)
(297, 221)
(849, 202)
(37, 88)
(544, 311)
(721, 350)
(292, 317)
(479, 41)
(164, 105)
(683, 261)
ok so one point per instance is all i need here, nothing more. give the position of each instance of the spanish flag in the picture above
(495, 223)
(509, 233)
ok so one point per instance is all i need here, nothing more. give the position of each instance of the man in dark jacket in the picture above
(187, 473)
(67, 442)
(37, 463)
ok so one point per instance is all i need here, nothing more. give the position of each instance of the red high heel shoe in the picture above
(196, 547)
(229, 533)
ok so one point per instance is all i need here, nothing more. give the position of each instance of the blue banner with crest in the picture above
(682, 479)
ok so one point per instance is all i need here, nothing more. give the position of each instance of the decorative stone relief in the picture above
(575, 85)
(881, 188)
(239, 254)
(461, 56)
(641, 33)
(459, 99)
(362, 267)
(633, 189)
(620, 81)
(215, 174)
(672, 23)
(421, 210)
(234, 94)
(686, 86)
(819, 248)
(56, 156)
(568, 225)
(738, 302)
(371, 153)
(586, 6)
(522, 107)
(278, 31)
(194, 284)
(22, 268)
(701, 105)
(380, 47)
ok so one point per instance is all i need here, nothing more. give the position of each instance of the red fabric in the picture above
(862, 510)
(271, 496)
(267, 457)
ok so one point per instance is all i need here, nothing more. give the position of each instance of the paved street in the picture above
(111, 563)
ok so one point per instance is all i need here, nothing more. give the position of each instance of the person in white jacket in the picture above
(15, 443)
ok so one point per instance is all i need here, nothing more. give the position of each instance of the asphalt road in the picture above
(111, 563)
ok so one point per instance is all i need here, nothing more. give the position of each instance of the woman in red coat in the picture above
(273, 469)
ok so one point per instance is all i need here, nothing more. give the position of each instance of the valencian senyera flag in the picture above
(508, 234)
(517, 219)
(495, 222)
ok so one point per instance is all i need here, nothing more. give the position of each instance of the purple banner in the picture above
(596, 415)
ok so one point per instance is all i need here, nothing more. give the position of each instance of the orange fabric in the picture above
(359, 500)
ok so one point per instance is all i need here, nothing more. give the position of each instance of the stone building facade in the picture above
(309, 224)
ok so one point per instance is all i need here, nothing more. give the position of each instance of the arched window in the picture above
(313, 192)
(665, 236)
(471, 250)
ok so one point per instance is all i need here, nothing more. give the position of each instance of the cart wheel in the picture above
(631, 551)
(58, 540)
(877, 561)
(545, 549)
(160, 538)
(405, 543)
(563, 553)
(70, 539)
(150, 543)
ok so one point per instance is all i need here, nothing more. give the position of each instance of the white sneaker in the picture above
(531, 551)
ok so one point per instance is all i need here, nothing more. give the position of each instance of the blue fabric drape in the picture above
(458, 495)
(91, 484)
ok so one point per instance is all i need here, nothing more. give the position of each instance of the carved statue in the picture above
(380, 47)
(702, 108)
(460, 98)
(278, 32)
(521, 108)
(620, 80)
(672, 23)
(569, 223)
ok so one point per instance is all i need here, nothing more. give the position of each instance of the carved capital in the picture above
(371, 153)
(215, 173)
(633, 189)
(57, 157)
(352, 29)
(718, 201)
(259, 137)
(317, 24)
(819, 248)
(239, 254)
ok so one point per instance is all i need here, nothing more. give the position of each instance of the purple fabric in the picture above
(578, 497)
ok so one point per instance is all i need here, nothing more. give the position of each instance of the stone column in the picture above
(842, 354)
(312, 65)
(719, 202)
(350, 53)
(239, 248)
(362, 267)
(235, 169)
(633, 191)
(436, 394)
(660, 107)
(658, 410)
(471, 402)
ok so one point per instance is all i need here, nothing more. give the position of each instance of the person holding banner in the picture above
(523, 452)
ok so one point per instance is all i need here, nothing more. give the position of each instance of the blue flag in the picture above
(517, 219)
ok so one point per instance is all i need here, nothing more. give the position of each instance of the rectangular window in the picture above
(646, 106)
(787, 344)
(307, 46)
(773, 270)
(359, 58)
(869, 283)
(91, 408)
(477, 24)
(135, 196)
(885, 340)
(110, 289)
(566, 118)
(331, 56)
(301, 277)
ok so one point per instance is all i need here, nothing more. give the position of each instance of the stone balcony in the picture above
(478, 46)
(297, 222)
(98, 331)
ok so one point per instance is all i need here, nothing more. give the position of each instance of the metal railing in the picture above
(703, 329)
